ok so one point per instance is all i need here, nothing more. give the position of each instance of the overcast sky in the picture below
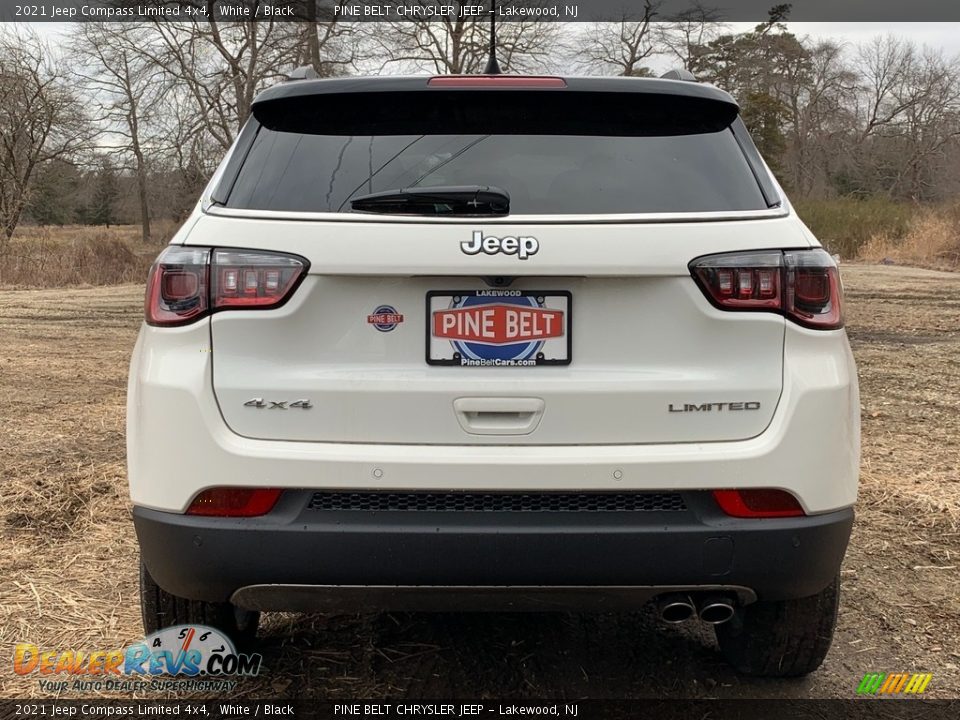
(943, 35)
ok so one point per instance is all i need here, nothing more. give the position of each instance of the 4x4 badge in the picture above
(278, 405)
(523, 246)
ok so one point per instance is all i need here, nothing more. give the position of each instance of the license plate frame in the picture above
(552, 350)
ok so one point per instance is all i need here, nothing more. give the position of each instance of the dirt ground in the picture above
(68, 554)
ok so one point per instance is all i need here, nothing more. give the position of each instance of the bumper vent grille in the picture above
(498, 502)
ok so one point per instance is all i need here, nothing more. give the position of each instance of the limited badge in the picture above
(384, 318)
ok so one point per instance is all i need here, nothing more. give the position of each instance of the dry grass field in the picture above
(41, 257)
(68, 558)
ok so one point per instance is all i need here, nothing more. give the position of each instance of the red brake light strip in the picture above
(505, 81)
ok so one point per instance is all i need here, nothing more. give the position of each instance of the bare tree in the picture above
(448, 46)
(883, 64)
(125, 89)
(682, 36)
(930, 121)
(222, 66)
(620, 47)
(325, 44)
(816, 89)
(40, 121)
(909, 111)
(188, 156)
(460, 45)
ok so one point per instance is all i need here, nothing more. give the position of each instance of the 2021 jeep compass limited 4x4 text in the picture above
(497, 342)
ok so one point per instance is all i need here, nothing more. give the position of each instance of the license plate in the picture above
(498, 328)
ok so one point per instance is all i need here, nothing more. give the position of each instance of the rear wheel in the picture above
(787, 638)
(161, 609)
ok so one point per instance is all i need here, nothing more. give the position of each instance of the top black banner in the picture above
(506, 10)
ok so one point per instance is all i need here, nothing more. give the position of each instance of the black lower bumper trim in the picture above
(213, 558)
(444, 598)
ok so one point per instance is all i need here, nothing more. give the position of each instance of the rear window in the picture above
(553, 153)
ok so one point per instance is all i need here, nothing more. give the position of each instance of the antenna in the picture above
(493, 67)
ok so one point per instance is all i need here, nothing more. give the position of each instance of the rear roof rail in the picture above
(304, 72)
(679, 74)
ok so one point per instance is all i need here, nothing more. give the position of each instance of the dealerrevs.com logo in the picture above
(894, 683)
(183, 657)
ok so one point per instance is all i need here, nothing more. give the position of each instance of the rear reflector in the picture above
(758, 503)
(234, 502)
(188, 283)
(803, 285)
(500, 81)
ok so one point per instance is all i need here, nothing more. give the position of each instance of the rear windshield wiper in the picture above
(437, 200)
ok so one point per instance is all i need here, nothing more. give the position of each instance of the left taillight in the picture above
(188, 283)
(178, 286)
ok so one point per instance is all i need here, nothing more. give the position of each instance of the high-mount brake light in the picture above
(760, 503)
(504, 81)
(188, 283)
(803, 285)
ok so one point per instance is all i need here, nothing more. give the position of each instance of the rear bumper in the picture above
(810, 449)
(296, 558)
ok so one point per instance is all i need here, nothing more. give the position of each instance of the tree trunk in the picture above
(313, 40)
(144, 204)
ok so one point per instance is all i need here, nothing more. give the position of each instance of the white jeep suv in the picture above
(497, 342)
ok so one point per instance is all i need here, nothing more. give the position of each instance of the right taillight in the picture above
(803, 285)
(188, 283)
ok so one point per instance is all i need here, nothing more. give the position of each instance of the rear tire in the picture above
(781, 639)
(161, 609)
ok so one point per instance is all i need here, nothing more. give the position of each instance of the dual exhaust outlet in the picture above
(711, 609)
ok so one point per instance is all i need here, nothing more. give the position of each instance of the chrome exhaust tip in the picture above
(676, 608)
(715, 610)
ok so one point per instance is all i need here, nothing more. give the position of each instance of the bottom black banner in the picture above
(885, 709)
